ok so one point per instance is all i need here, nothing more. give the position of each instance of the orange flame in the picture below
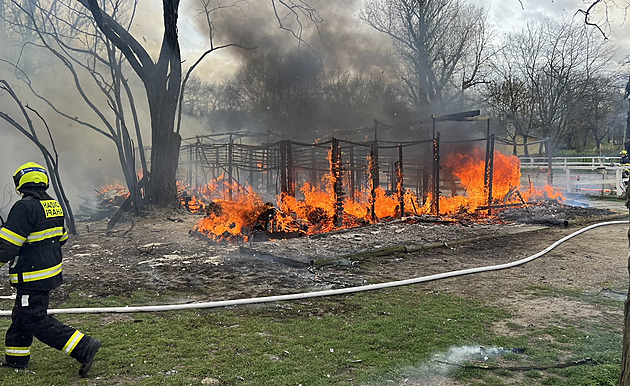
(315, 212)
(469, 168)
(230, 218)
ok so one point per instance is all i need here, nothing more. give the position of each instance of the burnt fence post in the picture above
(290, 171)
(335, 172)
(284, 186)
(230, 165)
(373, 181)
(399, 181)
(436, 174)
(490, 174)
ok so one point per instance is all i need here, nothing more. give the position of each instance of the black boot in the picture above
(4, 363)
(88, 359)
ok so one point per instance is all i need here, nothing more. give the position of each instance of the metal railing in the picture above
(602, 175)
(592, 162)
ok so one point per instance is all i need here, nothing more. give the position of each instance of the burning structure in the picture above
(289, 188)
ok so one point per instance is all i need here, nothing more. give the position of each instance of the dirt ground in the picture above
(162, 252)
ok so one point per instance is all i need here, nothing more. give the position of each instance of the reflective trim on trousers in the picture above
(18, 351)
(72, 342)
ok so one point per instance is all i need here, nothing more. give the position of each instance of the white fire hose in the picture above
(305, 295)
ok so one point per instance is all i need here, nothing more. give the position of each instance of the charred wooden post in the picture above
(191, 166)
(418, 180)
(399, 181)
(490, 174)
(392, 178)
(372, 183)
(290, 171)
(436, 175)
(284, 188)
(486, 170)
(287, 185)
(230, 156)
(270, 169)
(352, 173)
(426, 175)
(375, 177)
(313, 167)
(217, 161)
(264, 168)
(251, 163)
(337, 182)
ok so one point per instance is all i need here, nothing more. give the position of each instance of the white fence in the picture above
(586, 175)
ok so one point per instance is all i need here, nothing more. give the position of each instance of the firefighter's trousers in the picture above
(30, 318)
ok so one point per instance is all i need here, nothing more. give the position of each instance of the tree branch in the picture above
(587, 14)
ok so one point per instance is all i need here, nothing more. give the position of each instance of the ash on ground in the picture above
(551, 213)
(418, 231)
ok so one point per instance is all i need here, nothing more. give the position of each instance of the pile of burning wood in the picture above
(104, 203)
(242, 214)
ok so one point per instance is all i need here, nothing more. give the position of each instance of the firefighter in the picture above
(624, 161)
(30, 242)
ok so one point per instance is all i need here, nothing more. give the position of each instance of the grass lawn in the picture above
(372, 338)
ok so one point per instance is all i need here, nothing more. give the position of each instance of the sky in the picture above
(510, 14)
(342, 28)
(345, 42)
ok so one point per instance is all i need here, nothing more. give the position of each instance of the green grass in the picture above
(364, 339)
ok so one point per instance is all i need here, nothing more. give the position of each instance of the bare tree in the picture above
(162, 80)
(512, 108)
(290, 91)
(27, 128)
(544, 78)
(598, 111)
(93, 64)
(279, 91)
(442, 46)
(348, 99)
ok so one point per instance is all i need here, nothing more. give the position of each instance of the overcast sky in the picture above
(508, 14)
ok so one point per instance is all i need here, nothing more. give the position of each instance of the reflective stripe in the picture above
(72, 342)
(45, 234)
(18, 351)
(12, 237)
(36, 275)
(64, 237)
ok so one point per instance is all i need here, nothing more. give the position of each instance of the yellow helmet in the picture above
(30, 174)
(623, 152)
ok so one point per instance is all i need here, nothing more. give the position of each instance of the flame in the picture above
(232, 218)
(316, 212)
(113, 188)
(196, 200)
(469, 168)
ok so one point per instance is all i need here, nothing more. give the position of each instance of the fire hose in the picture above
(332, 292)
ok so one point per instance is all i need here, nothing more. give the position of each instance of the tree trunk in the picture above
(163, 86)
(525, 149)
(162, 188)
